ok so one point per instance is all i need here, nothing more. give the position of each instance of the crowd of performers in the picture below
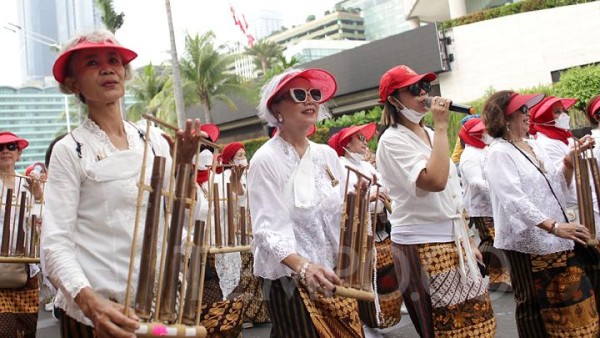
(513, 184)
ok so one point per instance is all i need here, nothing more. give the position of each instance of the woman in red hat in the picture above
(592, 110)
(426, 218)
(18, 304)
(476, 199)
(295, 204)
(553, 294)
(92, 194)
(351, 145)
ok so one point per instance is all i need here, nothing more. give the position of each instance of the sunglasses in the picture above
(9, 147)
(361, 138)
(300, 95)
(415, 88)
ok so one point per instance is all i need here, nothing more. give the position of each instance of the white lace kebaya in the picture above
(476, 193)
(521, 199)
(304, 220)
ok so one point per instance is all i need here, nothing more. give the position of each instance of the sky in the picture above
(145, 29)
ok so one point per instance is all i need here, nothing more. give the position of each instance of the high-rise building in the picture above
(264, 22)
(52, 21)
(383, 18)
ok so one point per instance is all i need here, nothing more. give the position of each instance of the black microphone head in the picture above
(428, 102)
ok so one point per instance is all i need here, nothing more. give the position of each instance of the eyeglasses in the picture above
(9, 147)
(361, 138)
(415, 88)
(300, 94)
(524, 110)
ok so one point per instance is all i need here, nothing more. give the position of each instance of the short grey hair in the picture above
(98, 35)
(266, 114)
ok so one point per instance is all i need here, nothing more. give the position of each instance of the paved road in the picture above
(503, 304)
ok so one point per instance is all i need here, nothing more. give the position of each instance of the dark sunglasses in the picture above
(415, 88)
(301, 95)
(361, 138)
(9, 146)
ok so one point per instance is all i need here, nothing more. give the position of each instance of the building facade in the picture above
(383, 18)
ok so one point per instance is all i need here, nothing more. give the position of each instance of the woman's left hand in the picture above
(475, 250)
(321, 279)
(189, 138)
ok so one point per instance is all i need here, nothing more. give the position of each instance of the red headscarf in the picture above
(471, 133)
(542, 119)
(340, 140)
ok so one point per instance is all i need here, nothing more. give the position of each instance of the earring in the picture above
(280, 119)
(507, 128)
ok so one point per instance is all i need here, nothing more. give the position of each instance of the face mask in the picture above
(487, 139)
(355, 156)
(562, 121)
(412, 115)
(241, 161)
(205, 159)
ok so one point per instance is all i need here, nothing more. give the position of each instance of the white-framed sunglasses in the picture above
(300, 95)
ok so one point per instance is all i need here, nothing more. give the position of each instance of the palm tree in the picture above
(110, 18)
(264, 54)
(207, 71)
(179, 106)
(146, 84)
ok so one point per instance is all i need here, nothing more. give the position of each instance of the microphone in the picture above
(455, 107)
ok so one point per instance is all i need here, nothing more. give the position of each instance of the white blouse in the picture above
(418, 216)
(90, 213)
(521, 199)
(556, 150)
(294, 216)
(476, 194)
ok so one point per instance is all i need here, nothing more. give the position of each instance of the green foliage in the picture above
(252, 145)
(147, 83)
(515, 8)
(111, 19)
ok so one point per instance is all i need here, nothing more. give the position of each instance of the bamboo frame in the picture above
(584, 165)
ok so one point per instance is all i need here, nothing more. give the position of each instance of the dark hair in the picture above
(493, 113)
(390, 116)
(50, 147)
(591, 116)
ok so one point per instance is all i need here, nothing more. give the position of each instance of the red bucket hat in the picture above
(229, 151)
(517, 101)
(339, 140)
(8, 137)
(594, 107)
(318, 78)
(541, 113)
(471, 133)
(62, 62)
(399, 77)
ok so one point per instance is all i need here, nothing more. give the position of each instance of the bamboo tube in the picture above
(175, 128)
(147, 274)
(33, 238)
(191, 299)
(6, 229)
(230, 218)
(216, 205)
(346, 253)
(20, 247)
(353, 293)
(173, 255)
(243, 237)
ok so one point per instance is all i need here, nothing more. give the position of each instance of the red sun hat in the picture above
(339, 140)
(471, 133)
(62, 62)
(518, 100)
(594, 107)
(318, 78)
(542, 112)
(8, 137)
(399, 77)
(229, 151)
(212, 130)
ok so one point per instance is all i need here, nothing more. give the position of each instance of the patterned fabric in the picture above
(553, 295)
(19, 310)
(250, 291)
(70, 328)
(296, 313)
(496, 264)
(457, 308)
(390, 296)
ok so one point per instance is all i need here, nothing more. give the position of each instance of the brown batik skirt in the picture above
(553, 296)
(250, 291)
(440, 303)
(19, 310)
(496, 264)
(296, 313)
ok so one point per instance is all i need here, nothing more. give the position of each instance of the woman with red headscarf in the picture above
(476, 199)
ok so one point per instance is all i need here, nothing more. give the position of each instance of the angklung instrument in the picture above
(22, 220)
(355, 264)
(587, 182)
(170, 284)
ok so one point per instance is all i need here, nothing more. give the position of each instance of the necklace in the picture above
(528, 152)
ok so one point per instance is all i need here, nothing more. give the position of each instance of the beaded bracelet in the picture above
(555, 229)
(303, 272)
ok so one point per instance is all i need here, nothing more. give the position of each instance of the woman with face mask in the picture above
(351, 145)
(476, 199)
(426, 219)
